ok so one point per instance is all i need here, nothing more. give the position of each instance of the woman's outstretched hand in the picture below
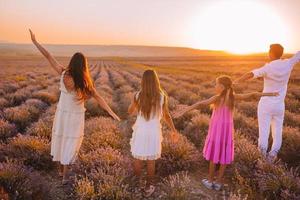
(32, 36)
(116, 117)
(53, 62)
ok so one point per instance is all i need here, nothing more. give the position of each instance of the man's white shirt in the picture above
(276, 76)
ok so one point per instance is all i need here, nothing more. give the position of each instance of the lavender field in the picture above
(29, 91)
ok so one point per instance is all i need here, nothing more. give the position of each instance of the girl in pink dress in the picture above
(219, 144)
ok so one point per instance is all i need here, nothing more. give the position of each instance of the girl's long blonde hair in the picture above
(227, 95)
(148, 101)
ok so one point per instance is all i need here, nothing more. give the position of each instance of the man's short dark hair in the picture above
(276, 50)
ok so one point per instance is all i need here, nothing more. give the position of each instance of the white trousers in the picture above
(270, 115)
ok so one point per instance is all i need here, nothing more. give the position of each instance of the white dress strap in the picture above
(63, 72)
(62, 85)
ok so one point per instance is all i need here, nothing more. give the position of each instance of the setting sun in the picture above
(238, 27)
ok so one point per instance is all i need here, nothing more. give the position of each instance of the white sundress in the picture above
(147, 136)
(68, 126)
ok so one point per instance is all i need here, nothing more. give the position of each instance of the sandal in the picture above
(65, 181)
(207, 184)
(150, 191)
(217, 186)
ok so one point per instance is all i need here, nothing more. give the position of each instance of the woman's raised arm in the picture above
(53, 62)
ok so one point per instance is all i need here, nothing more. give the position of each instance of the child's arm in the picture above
(53, 62)
(209, 101)
(254, 95)
(104, 105)
(167, 116)
(132, 107)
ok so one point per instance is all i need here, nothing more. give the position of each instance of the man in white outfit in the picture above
(270, 111)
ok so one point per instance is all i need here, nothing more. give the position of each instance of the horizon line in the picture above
(140, 45)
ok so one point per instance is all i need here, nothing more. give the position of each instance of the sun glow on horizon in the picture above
(239, 27)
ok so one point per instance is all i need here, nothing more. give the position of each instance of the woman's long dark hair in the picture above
(78, 69)
(227, 95)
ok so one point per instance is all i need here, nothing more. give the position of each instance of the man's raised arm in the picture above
(245, 77)
(295, 59)
(260, 72)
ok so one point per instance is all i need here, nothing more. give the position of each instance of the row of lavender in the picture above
(27, 107)
(107, 142)
(252, 175)
(103, 168)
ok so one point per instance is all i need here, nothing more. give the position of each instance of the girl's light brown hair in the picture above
(148, 101)
(227, 95)
(83, 83)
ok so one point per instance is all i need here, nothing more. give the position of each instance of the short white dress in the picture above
(68, 126)
(147, 136)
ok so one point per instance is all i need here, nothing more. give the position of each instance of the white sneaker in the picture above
(217, 186)
(207, 184)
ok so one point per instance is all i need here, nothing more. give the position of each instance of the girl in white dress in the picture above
(76, 86)
(151, 105)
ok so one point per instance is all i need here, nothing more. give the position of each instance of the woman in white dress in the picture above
(76, 86)
(151, 105)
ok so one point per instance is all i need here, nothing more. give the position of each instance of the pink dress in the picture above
(219, 144)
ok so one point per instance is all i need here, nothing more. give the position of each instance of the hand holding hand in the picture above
(234, 83)
(180, 113)
(116, 117)
(174, 136)
(177, 114)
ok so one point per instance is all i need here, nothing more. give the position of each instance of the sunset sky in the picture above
(235, 26)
